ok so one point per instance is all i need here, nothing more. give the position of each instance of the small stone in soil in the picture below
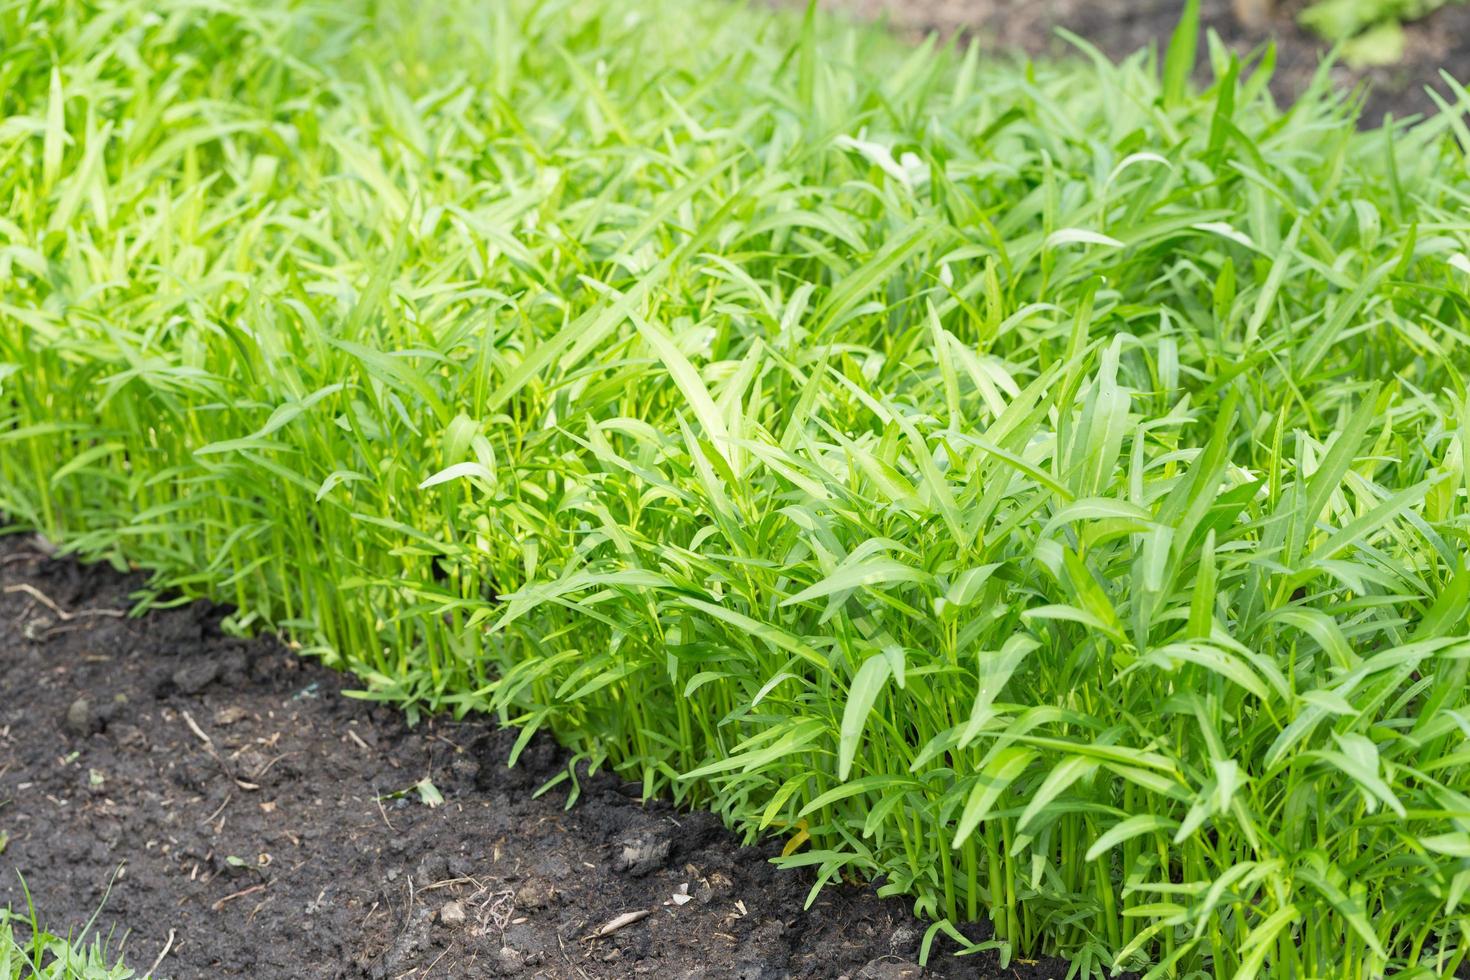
(534, 894)
(904, 939)
(231, 715)
(640, 855)
(452, 914)
(193, 678)
(81, 720)
(511, 960)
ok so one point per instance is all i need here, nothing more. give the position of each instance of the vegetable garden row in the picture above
(1039, 487)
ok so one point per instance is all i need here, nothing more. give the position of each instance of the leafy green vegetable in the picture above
(29, 952)
(1371, 31)
(1045, 486)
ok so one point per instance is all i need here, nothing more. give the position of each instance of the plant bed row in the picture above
(1040, 488)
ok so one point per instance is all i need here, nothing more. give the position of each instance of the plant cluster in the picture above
(1039, 487)
(38, 955)
(1371, 31)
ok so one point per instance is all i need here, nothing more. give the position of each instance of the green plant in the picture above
(43, 956)
(38, 955)
(1370, 31)
(1041, 487)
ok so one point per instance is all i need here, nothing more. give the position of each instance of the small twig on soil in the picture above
(430, 968)
(563, 947)
(441, 738)
(407, 910)
(621, 922)
(498, 909)
(210, 819)
(267, 767)
(240, 894)
(447, 882)
(360, 743)
(159, 962)
(383, 811)
(194, 727)
(62, 614)
(209, 747)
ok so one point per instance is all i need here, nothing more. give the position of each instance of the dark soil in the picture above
(267, 851)
(1120, 27)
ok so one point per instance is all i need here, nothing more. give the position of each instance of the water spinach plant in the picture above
(1039, 487)
(42, 956)
(28, 951)
(1369, 32)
